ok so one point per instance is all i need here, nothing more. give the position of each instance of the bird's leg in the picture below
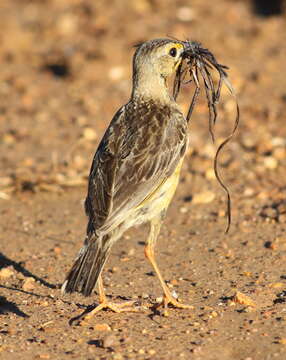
(105, 304)
(150, 255)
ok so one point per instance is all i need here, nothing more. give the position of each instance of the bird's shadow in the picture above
(10, 307)
(18, 266)
(7, 306)
(77, 319)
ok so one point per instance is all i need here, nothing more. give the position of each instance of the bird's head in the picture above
(154, 61)
(159, 57)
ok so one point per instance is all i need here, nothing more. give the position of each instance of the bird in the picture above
(134, 172)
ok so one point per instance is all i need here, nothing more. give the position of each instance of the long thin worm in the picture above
(199, 63)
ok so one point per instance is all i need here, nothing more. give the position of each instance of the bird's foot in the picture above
(127, 306)
(170, 300)
(118, 308)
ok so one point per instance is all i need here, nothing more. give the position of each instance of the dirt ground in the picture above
(65, 70)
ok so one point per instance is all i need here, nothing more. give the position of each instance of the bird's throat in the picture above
(151, 86)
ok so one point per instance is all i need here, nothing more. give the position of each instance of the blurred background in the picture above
(65, 68)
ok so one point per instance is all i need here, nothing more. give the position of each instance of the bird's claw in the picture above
(117, 308)
(170, 300)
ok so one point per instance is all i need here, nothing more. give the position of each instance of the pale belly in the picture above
(157, 202)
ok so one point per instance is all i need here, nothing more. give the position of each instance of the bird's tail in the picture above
(87, 267)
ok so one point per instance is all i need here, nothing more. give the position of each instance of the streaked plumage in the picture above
(135, 170)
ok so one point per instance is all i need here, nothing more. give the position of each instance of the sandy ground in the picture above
(65, 70)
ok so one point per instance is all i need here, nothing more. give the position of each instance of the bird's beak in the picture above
(180, 59)
(182, 56)
(178, 62)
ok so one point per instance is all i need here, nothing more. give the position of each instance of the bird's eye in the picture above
(173, 52)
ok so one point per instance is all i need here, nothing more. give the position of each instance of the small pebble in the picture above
(151, 352)
(204, 197)
(116, 73)
(282, 218)
(214, 314)
(175, 295)
(6, 272)
(131, 252)
(67, 24)
(248, 192)
(110, 341)
(210, 174)
(278, 141)
(89, 134)
(57, 250)
(102, 327)
(279, 153)
(28, 284)
(243, 299)
(8, 139)
(270, 162)
(185, 14)
(117, 356)
(282, 208)
(269, 245)
(276, 285)
(44, 356)
(209, 151)
(79, 162)
(249, 141)
(174, 282)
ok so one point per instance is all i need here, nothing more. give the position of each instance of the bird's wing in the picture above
(139, 150)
